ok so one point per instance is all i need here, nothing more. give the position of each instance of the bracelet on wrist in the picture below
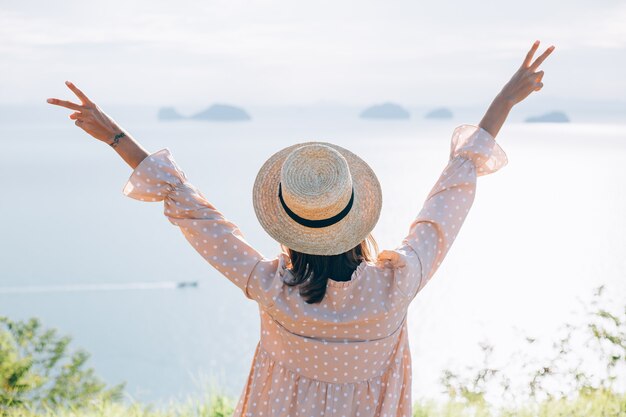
(116, 139)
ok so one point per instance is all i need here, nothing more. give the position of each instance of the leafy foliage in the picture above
(37, 371)
(587, 362)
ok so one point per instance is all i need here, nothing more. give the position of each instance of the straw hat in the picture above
(317, 198)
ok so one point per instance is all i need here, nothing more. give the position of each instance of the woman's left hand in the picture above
(89, 116)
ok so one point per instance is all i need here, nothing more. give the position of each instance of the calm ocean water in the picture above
(543, 232)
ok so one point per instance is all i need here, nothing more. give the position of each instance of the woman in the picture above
(333, 312)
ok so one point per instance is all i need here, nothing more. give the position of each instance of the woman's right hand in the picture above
(525, 80)
(88, 116)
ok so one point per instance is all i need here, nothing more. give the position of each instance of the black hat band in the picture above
(316, 223)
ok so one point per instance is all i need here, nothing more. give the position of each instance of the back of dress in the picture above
(348, 355)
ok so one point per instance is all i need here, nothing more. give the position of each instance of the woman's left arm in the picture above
(217, 239)
(157, 177)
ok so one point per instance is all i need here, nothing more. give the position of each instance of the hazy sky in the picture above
(192, 53)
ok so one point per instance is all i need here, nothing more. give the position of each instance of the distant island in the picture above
(222, 112)
(440, 113)
(169, 113)
(552, 117)
(216, 112)
(385, 111)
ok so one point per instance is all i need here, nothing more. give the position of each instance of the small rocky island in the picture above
(222, 112)
(216, 112)
(440, 113)
(385, 111)
(551, 117)
(169, 113)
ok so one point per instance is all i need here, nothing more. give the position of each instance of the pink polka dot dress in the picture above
(348, 355)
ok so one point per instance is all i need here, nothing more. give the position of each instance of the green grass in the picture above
(213, 406)
(600, 403)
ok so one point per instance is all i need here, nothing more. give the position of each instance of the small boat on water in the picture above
(185, 284)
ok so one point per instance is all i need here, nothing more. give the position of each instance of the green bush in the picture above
(560, 382)
(37, 371)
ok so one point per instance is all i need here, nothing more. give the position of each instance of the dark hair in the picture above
(311, 272)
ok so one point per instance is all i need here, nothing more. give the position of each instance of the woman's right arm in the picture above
(474, 152)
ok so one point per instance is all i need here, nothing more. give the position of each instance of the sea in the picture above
(543, 233)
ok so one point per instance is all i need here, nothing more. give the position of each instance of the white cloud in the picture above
(275, 51)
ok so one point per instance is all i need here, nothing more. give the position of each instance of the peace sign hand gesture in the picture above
(90, 117)
(526, 80)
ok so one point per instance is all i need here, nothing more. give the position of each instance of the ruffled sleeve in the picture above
(473, 153)
(217, 239)
(475, 143)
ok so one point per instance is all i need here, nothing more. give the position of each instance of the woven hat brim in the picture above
(330, 240)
